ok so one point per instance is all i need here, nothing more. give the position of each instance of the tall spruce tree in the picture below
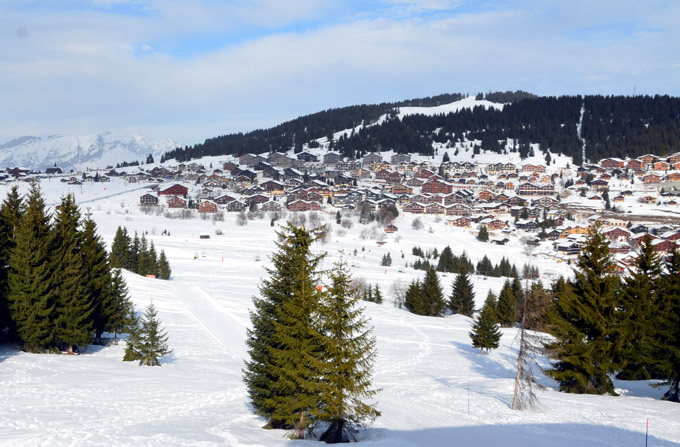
(583, 323)
(10, 217)
(485, 333)
(349, 352)
(97, 277)
(462, 299)
(667, 353)
(119, 307)
(31, 297)
(640, 315)
(73, 325)
(281, 341)
(506, 308)
(433, 296)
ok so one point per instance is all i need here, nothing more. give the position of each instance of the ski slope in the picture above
(436, 390)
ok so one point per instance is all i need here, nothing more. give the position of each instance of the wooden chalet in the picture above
(148, 200)
(175, 191)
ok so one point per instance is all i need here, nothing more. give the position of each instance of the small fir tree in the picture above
(120, 249)
(483, 234)
(153, 341)
(432, 295)
(485, 333)
(10, 217)
(377, 295)
(506, 309)
(164, 271)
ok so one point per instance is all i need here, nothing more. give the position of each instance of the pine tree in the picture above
(10, 217)
(433, 297)
(485, 333)
(145, 264)
(164, 271)
(506, 309)
(667, 353)
(31, 297)
(483, 234)
(73, 325)
(377, 295)
(349, 352)
(119, 306)
(639, 313)
(153, 341)
(97, 276)
(462, 299)
(120, 249)
(297, 346)
(413, 298)
(519, 294)
(290, 284)
(134, 337)
(446, 261)
(134, 253)
(583, 323)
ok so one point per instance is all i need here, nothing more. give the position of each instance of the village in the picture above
(543, 205)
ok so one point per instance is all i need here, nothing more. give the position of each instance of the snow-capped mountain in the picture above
(80, 152)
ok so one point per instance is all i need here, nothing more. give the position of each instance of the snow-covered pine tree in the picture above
(153, 341)
(433, 296)
(349, 352)
(31, 297)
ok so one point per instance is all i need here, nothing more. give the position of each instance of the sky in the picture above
(191, 70)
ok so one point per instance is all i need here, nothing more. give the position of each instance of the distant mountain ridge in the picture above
(80, 152)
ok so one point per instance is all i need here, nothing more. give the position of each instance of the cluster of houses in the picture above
(502, 197)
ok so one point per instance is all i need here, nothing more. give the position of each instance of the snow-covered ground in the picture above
(436, 389)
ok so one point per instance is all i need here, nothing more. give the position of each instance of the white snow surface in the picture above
(436, 390)
(80, 152)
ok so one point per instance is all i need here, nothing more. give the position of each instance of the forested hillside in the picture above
(611, 126)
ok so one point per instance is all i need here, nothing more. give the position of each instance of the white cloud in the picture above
(90, 71)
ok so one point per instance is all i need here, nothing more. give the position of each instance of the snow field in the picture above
(197, 398)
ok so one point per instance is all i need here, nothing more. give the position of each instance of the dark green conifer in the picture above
(462, 299)
(10, 217)
(164, 271)
(31, 297)
(271, 384)
(349, 352)
(506, 309)
(119, 306)
(583, 323)
(639, 314)
(433, 297)
(413, 298)
(153, 341)
(667, 353)
(483, 234)
(73, 325)
(120, 249)
(485, 333)
(97, 276)
(377, 295)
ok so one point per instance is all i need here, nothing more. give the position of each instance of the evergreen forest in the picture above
(611, 126)
(58, 290)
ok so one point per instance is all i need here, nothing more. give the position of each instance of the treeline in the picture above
(613, 126)
(138, 255)
(57, 287)
(450, 263)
